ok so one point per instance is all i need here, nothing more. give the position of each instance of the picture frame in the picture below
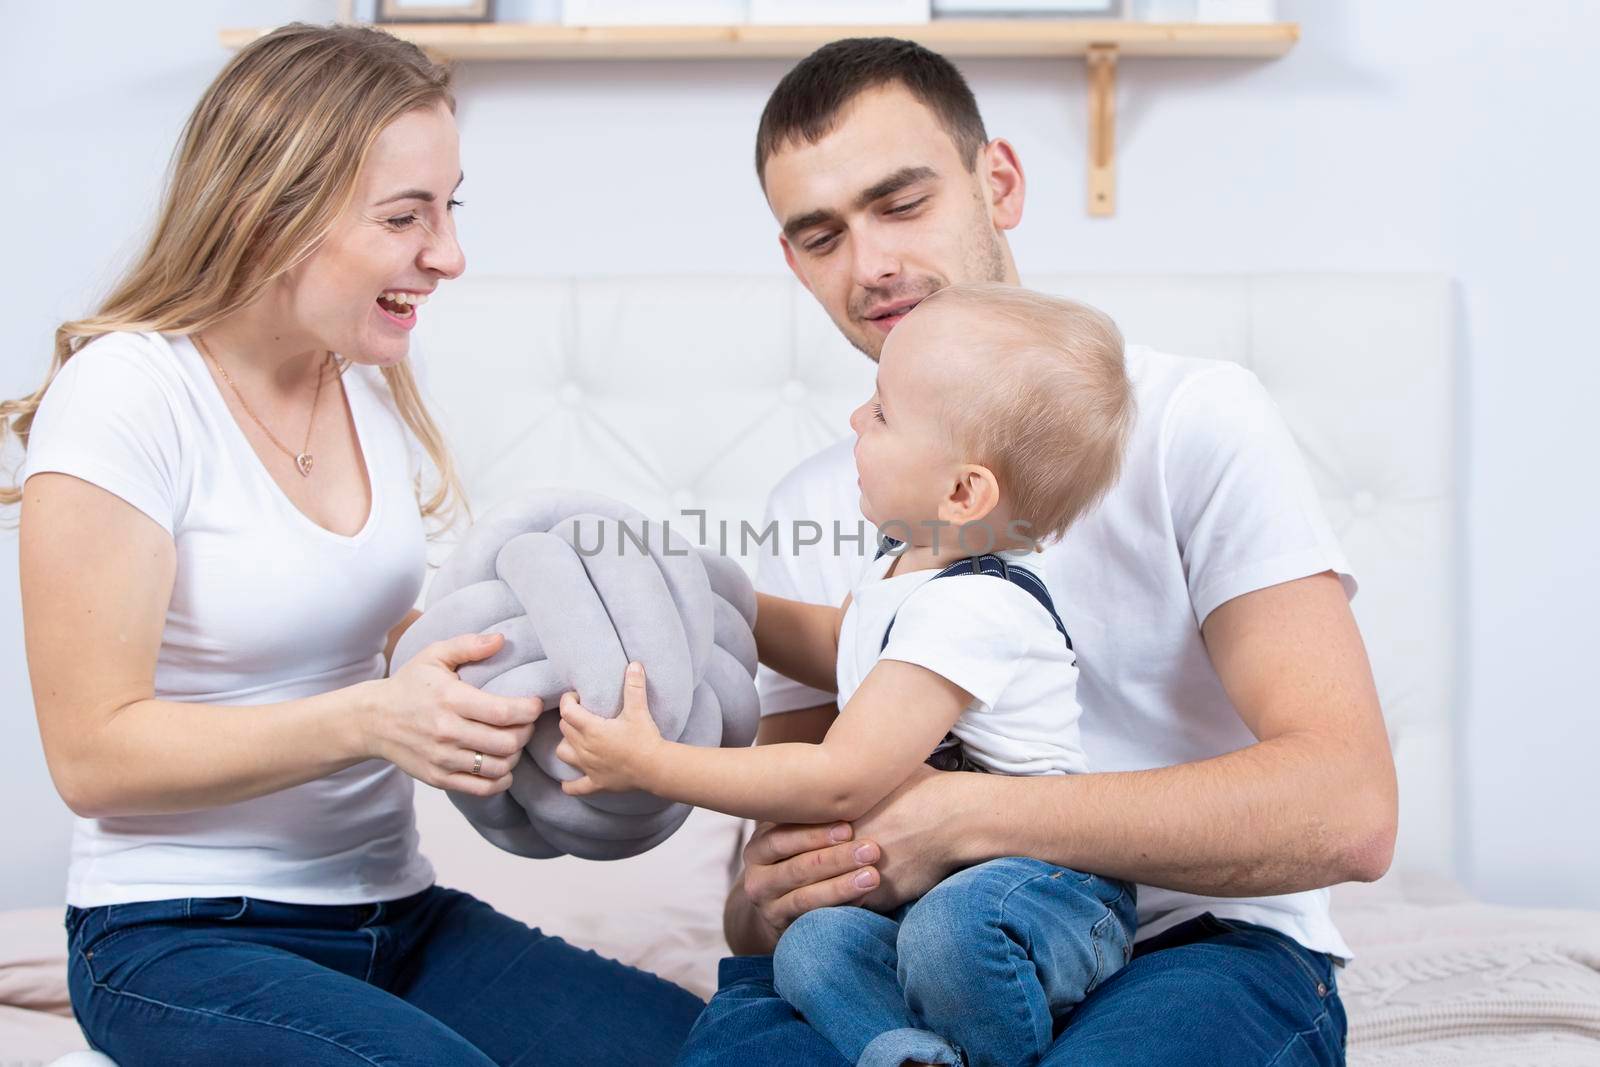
(653, 12)
(839, 12)
(1029, 8)
(393, 11)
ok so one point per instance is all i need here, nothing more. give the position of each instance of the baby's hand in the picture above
(611, 753)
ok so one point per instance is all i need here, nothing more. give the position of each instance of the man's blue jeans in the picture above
(1209, 991)
(437, 978)
(1024, 939)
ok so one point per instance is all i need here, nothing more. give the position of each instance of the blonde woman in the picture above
(221, 539)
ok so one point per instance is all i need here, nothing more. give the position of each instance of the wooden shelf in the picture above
(962, 38)
(1099, 44)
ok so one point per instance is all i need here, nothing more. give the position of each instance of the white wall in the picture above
(1435, 136)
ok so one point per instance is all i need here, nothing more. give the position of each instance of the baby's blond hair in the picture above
(1047, 405)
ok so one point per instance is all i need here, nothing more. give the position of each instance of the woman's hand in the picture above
(432, 725)
(611, 753)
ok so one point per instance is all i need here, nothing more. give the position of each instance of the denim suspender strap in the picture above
(951, 755)
(992, 565)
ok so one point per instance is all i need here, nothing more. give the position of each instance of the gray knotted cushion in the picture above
(573, 617)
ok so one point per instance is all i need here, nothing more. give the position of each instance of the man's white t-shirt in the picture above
(266, 606)
(988, 636)
(1214, 502)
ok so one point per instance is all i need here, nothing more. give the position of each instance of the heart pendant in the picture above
(303, 461)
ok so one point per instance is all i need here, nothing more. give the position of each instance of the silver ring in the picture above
(477, 763)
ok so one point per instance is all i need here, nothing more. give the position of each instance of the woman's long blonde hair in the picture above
(266, 165)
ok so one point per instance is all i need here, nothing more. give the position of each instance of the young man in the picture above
(1229, 711)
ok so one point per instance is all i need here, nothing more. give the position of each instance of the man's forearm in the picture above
(1276, 817)
(798, 640)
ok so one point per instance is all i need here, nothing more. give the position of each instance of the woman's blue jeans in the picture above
(437, 978)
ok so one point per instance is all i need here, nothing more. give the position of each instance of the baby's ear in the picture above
(976, 493)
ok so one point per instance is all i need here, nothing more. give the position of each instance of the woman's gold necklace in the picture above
(302, 459)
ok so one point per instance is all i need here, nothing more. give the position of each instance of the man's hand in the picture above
(611, 753)
(912, 827)
(789, 870)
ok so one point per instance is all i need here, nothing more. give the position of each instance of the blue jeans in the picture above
(1208, 991)
(435, 978)
(1025, 939)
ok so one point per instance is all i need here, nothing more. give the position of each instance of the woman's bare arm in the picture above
(97, 576)
(395, 634)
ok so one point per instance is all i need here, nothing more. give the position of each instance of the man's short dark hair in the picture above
(807, 102)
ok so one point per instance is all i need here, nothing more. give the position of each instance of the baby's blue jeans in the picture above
(980, 970)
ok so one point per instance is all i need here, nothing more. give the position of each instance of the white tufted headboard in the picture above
(680, 392)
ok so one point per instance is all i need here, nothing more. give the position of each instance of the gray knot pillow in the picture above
(581, 584)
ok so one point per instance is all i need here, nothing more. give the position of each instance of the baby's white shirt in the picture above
(988, 636)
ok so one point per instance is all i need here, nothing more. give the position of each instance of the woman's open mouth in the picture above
(401, 306)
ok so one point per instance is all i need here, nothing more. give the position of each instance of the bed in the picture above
(677, 393)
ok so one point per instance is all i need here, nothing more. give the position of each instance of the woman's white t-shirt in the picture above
(988, 636)
(1214, 502)
(266, 606)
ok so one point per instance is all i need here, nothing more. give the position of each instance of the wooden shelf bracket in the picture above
(1102, 61)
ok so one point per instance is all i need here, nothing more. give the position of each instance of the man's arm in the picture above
(799, 640)
(1313, 803)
